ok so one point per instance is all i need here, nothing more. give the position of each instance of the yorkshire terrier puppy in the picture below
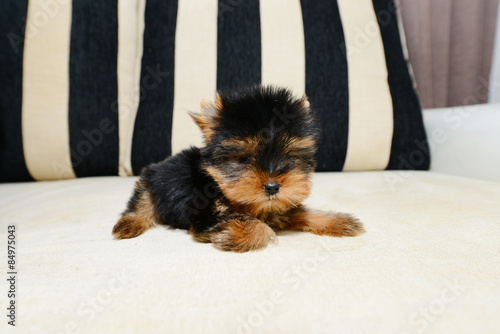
(247, 182)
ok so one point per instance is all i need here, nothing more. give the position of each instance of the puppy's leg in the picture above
(335, 224)
(238, 234)
(139, 218)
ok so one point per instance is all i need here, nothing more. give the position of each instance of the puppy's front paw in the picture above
(339, 224)
(335, 224)
(343, 224)
(243, 236)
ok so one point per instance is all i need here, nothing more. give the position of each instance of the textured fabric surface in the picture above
(93, 88)
(365, 75)
(327, 69)
(45, 96)
(59, 87)
(194, 31)
(129, 67)
(12, 29)
(153, 121)
(450, 46)
(429, 262)
(239, 56)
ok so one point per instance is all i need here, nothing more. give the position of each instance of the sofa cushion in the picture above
(347, 56)
(429, 261)
(103, 89)
(63, 67)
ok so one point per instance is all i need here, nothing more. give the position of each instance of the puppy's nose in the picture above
(271, 188)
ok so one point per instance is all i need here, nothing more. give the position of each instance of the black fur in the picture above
(183, 193)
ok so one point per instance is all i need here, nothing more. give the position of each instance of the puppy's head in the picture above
(260, 146)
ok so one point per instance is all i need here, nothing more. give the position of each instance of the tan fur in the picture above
(334, 224)
(218, 102)
(206, 119)
(247, 194)
(201, 237)
(307, 144)
(305, 103)
(134, 224)
(206, 236)
(205, 125)
(243, 236)
(221, 207)
(246, 145)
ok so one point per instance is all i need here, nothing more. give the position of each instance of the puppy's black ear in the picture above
(206, 118)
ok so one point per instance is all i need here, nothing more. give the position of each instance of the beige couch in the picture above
(429, 262)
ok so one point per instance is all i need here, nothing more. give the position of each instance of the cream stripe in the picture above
(46, 90)
(195, 67)
(283, 51)
(370, 103)
(130, 43)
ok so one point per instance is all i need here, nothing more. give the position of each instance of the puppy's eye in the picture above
(286, 165)
(243, 160)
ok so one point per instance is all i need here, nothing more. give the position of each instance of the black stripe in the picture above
(12, 164)
(153, 123)
(327, 79)
(409, 142)
(93, 122)
(238, 44)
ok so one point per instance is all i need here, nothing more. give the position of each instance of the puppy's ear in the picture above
(206, 119)
(305, 103)
(308, 114)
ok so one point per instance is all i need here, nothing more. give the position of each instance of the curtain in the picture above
(450, 44)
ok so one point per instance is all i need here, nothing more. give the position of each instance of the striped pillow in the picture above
(346, 55)
(126, 103)
(64, 65)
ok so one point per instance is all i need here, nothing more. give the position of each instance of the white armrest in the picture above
(465, 140)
